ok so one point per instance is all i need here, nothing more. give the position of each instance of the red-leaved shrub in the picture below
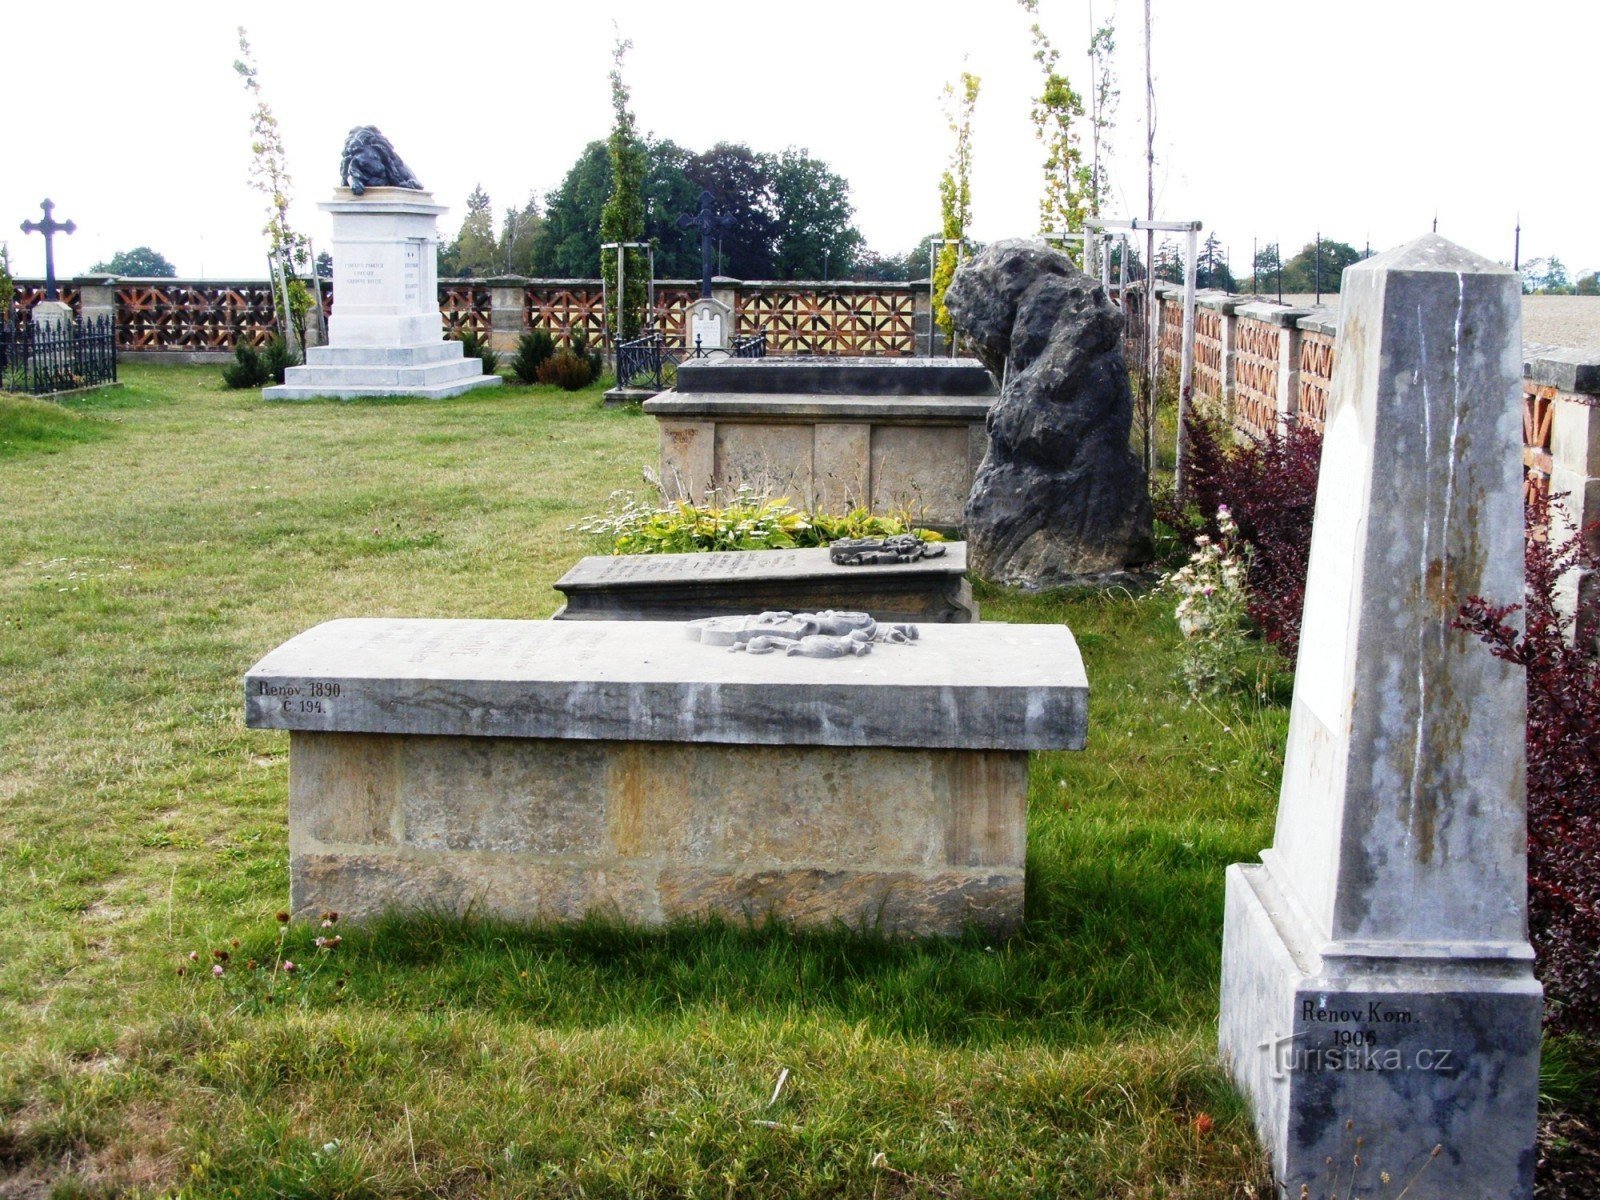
(1269, 484)
(1563, 777)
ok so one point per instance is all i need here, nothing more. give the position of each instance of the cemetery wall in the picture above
(208, 318)
(1270, 366)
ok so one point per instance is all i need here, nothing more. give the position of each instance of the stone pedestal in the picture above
(50, 315)
(1377, 979)
(385, 336)
(537, 769)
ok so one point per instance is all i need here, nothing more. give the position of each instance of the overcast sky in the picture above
(1274, 117)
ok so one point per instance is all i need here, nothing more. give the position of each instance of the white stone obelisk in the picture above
(1377, 979)
(385, 337)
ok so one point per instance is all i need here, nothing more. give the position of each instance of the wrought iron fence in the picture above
(40, 359)
(649, 362)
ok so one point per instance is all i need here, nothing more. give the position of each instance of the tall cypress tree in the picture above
(622, 218)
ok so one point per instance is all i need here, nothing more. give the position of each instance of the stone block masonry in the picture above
(539, 770)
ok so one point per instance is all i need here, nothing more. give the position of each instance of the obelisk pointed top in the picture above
(1430, 252)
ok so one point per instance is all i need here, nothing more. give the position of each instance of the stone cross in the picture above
(709, 223)
(1377, 979)
(49, 227)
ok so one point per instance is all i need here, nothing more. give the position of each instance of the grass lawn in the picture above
(156, 539)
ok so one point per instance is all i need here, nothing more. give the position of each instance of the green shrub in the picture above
(246, 370)
(578, 343)
(565, 369)
(475, 345)
(533, 350)
(745, 522)
(257, 368)
(275, 359)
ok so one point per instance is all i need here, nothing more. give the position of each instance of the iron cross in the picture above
(709, 224)
(49, 227)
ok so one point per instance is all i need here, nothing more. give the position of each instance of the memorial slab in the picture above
(895, 435)
(533, 769)
(667, 587)
(1377, 978)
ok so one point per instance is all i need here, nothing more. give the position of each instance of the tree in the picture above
(568, 243)
(812, 235)
(269, 175)
(474, 251)
(519, 236)
(324, 265)
(1103, 99)
(1169, 261)
(1061, 207)
(622, 217)
(1313, 268)
(1588, 285)
(139, 263)
(7, 284)
(742, 183)
(955, 193)
(1265, 268)
(1545, 276)
(1211, 271)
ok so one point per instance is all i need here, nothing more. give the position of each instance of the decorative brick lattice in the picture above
(465, 307)
(672, 315)
(1538, 409)
(843, 322)
(26, 295)
(1316, 378)
(1208, 354)
(564, 309)
(194, 316)
(1256, 347)
(1171, 334)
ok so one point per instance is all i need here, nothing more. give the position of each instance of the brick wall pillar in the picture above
(1575, 472)
(506, 312)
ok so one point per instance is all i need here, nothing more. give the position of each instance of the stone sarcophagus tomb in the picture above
(640, 769)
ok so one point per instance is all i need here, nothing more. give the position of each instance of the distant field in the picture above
(1549, 320)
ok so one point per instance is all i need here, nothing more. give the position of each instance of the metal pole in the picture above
(1186, 365)
(1516, 246)
(622, 294)
(1316, 267)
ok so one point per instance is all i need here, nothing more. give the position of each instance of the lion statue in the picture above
(370, 161)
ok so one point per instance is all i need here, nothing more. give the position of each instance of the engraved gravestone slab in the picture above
(709, 322)
(642, 587)
(999, 687)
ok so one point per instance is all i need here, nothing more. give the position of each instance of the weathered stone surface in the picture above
(894, 434)
(837, 376)
(917, 841)
(660, 587)
(1389, 919)
(895, 902)
(1060, 497)
(971, 687)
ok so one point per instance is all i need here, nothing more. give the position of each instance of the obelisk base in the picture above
(1356, 1068)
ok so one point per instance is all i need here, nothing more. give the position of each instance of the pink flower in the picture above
(194, 956)
(216, 971)
(289, 968)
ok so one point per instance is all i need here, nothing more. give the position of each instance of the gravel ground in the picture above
(1546, 320)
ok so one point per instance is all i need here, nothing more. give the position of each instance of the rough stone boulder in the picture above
(1060, 498)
